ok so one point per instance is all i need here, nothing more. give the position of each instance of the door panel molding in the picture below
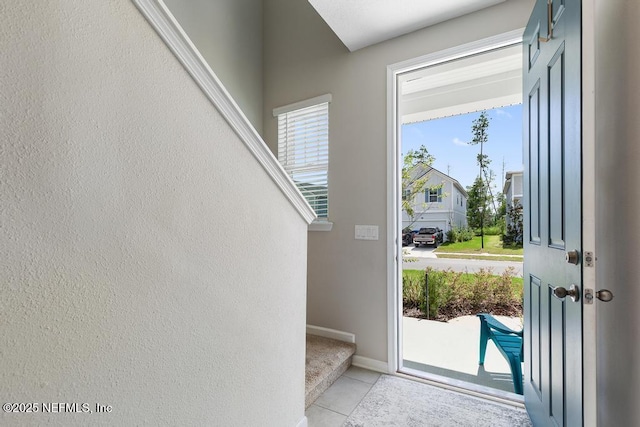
(533, 215)
(556, 149)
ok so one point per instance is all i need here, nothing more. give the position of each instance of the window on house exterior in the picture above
(303, 149)
(433, 195)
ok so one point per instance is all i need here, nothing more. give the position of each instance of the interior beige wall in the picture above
(617, 153)
(347, 287)
(147, 261)
(228, 34)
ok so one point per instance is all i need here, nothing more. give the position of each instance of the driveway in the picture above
(421, 252)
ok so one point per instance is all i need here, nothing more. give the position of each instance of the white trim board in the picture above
(589, 204)
(331, 333)
(303, 422)
(161, 19)
(302, 104)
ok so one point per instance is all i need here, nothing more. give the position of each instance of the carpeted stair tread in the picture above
(326, 360)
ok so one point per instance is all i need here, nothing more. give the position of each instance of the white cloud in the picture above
(458, 141)
(500, 113)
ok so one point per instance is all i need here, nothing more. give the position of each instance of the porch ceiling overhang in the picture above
(475, 83)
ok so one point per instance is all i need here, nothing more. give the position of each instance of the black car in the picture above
(407, 236)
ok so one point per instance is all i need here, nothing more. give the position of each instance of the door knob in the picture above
(604, 295)
(561, 293)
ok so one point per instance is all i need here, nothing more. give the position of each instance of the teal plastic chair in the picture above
(508, 341)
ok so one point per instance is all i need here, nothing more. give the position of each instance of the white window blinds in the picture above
(303, 151)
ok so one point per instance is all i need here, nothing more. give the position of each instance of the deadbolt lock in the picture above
(572, 257)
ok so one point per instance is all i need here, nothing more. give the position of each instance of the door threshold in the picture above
(463, 387)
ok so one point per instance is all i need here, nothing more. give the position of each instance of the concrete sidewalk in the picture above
(451, 349)
(428, 252)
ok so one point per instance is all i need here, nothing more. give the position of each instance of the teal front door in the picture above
(552, 209)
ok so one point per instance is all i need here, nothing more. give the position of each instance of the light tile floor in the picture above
(334, 406)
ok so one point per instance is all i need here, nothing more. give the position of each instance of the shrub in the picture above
(493, 230)
(413, 288)
(453, 294)
(451, 235)
(459, 234)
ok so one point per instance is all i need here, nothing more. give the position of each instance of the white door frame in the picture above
(394, 220)
(588, 42)
(394, 159)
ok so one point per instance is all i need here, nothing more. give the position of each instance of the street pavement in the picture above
(424, 257)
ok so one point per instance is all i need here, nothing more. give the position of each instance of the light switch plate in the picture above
(366, 232)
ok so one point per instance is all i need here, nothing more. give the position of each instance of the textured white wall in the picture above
(303, 58)
(228, 34)
(146, 260)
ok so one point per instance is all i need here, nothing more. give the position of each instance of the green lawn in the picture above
(492, 245)
(514, 258)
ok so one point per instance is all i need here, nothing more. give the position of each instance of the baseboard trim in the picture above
(370, 364)
(303, 422)
(331, 333)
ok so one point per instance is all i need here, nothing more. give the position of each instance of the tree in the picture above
(501, 213)
(515, 229)
(481, 136)
(414, 181)
(477, 204)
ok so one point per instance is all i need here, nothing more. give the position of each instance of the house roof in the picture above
(420, 170)
(507, 180)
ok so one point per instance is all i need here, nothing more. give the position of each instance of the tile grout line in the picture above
(354, 379)
(330, 410)
(365, 395)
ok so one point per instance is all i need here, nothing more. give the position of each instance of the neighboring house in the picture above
(513, 190)
(442, 204)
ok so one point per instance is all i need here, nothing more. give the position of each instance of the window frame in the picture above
(316, 169)
(437, 193)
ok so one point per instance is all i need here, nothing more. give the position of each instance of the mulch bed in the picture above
(447, 313)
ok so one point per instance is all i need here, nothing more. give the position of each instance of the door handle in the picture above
(561, 293)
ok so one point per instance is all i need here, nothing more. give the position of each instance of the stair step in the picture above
(326, 360)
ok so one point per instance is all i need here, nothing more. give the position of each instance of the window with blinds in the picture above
(303, 149)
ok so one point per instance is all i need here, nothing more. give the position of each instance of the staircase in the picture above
(326, 360)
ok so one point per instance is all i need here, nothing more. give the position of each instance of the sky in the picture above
(447, 140)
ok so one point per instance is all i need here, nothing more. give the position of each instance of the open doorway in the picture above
(458, 88)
